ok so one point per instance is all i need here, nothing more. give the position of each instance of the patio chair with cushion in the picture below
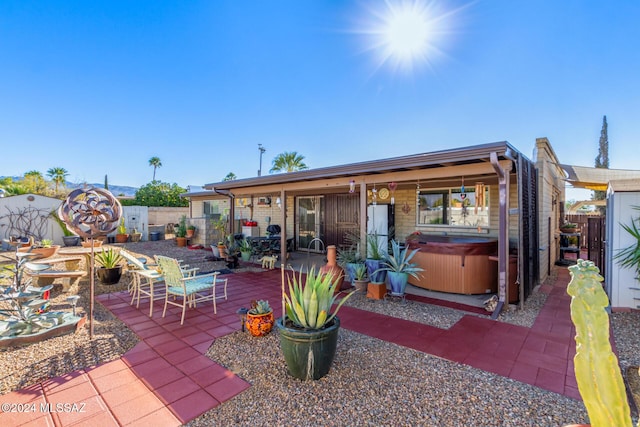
(189, 290)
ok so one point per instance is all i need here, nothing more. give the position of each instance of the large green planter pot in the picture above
(308, 353)
(397, 282)
(246, 256)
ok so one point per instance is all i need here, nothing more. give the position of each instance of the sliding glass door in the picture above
(309, 224)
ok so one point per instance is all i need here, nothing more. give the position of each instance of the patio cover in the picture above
(596, 178)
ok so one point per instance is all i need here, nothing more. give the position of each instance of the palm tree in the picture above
(58, 175)
(288, 162)
(156, 163)
(230, 177)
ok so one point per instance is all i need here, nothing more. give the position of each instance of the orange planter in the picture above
(43, 252)
(122, 238)
(259, 325)
(376, 290)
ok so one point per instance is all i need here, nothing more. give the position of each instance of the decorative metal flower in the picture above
(91, 212)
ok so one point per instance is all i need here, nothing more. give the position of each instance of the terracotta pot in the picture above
(43, 252)
(122, 238)
(376, 290)
(190, 233)
(259, 325)
(333, 267)
(223, 251)
(96, 243)
(181, 241)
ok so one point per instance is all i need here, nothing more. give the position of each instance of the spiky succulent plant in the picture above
(260, 307)
(311, 297)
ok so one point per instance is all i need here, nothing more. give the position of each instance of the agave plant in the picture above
(109, 258)
(400, 260)
(629, 257)
(311, 297)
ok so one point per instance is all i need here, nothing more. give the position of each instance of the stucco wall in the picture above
(551, 197)
(166, 215)
(33, 206)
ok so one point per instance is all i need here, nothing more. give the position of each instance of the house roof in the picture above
(437, 159)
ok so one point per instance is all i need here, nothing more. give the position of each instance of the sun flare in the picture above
(406, 35)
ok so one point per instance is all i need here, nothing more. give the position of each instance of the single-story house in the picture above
(491, 192)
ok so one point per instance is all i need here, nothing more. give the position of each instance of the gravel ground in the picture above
(372, 382)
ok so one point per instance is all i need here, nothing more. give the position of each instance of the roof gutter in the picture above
(503, 238)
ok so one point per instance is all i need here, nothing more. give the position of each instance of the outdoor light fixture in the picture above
(242, 314)
(73, 300)
(352, 186)
(262, 150)
(278, 202)
(374, 195)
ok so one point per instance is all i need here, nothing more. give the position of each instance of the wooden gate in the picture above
(596, 241)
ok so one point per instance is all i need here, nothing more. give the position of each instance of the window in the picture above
(453, 208)
(210, 208)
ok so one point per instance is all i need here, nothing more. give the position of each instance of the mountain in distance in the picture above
(116, 190)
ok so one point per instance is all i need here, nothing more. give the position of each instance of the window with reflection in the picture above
(451, 207)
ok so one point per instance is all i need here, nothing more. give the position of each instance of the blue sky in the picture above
(100, 87)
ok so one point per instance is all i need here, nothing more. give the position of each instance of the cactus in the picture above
(596, 366)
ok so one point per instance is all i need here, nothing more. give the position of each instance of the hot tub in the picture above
(455, 264)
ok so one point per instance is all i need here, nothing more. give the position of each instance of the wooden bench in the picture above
(46, 277)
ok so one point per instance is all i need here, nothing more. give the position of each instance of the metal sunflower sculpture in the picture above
(91, 212)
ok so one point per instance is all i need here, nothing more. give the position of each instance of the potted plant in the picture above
(135, 235)
(68, 237)
(375, 256)
(121, 233)
(348, 259)
(259, 318)
(231, 249)
(361, 278)
(569, 227)
(45, 248)
(181, 232)
(110, 269)
(87, 243)
(245, 249)
(191, 230)
(398, 266)
(308, 329)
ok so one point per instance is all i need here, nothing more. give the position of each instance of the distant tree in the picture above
(106, 183)
(288, 162)
(34, 182)
(158, 193)
(602, 161)
(230, 177)
(156, 163)
(58, 175)
(11, 187)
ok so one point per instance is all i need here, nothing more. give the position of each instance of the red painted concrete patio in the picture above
(166, 380)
